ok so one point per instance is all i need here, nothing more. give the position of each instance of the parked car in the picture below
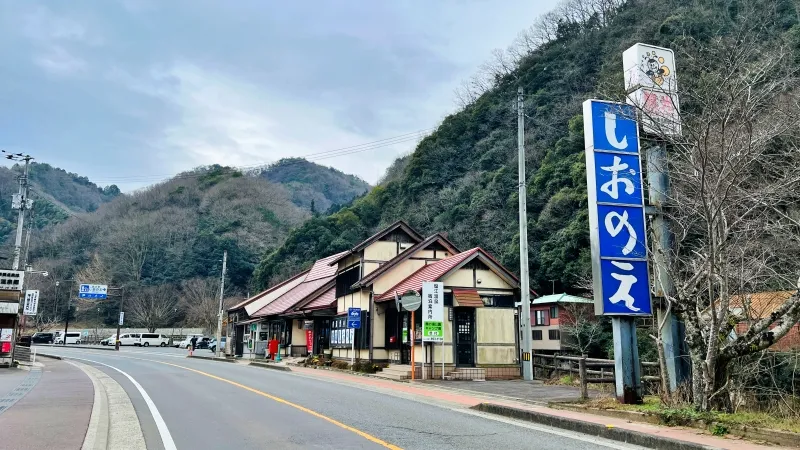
(202, 342)
(148, 339)
(24, 341)
(212, 345)
(188, 341)
(111, 340)
(72, 338)
(129, 338)
(43, 338)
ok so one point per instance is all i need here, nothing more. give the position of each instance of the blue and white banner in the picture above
(616, 209)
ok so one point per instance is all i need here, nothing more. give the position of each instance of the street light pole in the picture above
(221, 295)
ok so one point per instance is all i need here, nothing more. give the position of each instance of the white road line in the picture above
(166, 437)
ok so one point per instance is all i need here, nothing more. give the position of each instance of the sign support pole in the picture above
(413, 367)
(627, 369)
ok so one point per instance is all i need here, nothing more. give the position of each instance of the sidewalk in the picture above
(459, 398)
(52, 413)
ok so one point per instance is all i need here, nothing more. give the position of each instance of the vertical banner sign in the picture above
(31, 306)
(121, 317)
(310, 341)
(616, 209)
(432, 312)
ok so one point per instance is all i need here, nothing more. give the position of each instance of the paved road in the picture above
(211, 405)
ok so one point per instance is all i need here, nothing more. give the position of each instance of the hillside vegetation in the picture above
(462, 179)
(312, 184)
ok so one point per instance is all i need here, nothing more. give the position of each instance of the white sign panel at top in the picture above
(432, 312)
(31, 305)
(652, 86)
(648, 66)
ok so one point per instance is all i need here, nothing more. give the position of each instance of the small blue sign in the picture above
(614, 127)
(93, 291)
(354, 318)
(625, 287)
(618, 180)
(621, 232)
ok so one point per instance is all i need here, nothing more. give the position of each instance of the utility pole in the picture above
(121, 315)
(221, 295)
(22, 203)
(525, 294)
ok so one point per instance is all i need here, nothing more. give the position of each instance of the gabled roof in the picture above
(286, 301)
(261, 294)
(325, 300)
(560, 298)
(759, 304)
(408, 253)
(273, 293)
(431, 272)
(440, 269)
(400, 224)
(322, 267)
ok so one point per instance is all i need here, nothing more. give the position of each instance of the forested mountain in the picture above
(311, 183)
(462, 179)
(57, 194)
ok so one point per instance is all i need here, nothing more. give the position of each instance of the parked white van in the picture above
(129, 338)
(72, 338)
(148, 339)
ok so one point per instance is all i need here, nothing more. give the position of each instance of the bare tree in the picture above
(153, 307)
(735, 187)
(582, 328)
(200, 300)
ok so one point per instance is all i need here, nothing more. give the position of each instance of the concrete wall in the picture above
(368, 268)
(495, 334)
(298, 335)
(379, 317)
(490, 280)
(465, 278)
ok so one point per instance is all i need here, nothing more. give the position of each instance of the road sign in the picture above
(93, 291)
(411, 301)
(11, 280)
(353, 317)
(616, 209)
(31, 306)
(121, 317)
(85, 333)
(433, 312)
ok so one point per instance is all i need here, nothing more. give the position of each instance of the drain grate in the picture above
(20, 391)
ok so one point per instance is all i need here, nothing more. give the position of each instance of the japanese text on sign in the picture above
(433, 312)
(616, 209)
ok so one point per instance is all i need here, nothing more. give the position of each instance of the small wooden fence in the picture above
(589, 370)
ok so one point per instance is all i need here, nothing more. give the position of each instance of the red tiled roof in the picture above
(322, 268)
(291, 297)
(325, 300)
(246, 302)
(759, 304)
(431, 272)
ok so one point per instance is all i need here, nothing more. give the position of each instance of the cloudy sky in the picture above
(134, 91)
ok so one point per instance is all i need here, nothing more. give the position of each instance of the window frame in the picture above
(535, 333)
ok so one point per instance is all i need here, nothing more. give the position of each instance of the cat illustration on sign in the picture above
(653, 66)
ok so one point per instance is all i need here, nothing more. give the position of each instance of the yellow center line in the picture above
(366, 436)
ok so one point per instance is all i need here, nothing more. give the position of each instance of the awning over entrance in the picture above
(468, 298)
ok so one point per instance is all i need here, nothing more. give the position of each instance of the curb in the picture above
(270, 366)
(212, 358)
(97, 432)
(89, 347)
(777, 437)
(592, 429)
(45, 355)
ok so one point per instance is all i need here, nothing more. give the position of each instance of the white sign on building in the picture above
(31, 305)
(432, 312)
(11, 280)
(652, 87)
(9, 308)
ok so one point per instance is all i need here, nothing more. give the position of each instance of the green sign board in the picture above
(432, 331)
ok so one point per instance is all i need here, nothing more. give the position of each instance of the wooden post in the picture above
(584, 381)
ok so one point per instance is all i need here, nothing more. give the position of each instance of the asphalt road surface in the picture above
(213, 405)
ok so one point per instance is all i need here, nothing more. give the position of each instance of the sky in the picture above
(131, 92)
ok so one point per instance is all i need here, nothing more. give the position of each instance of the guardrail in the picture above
(589, 370)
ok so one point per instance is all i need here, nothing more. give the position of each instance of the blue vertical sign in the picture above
(616, 209)
(353, 317)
